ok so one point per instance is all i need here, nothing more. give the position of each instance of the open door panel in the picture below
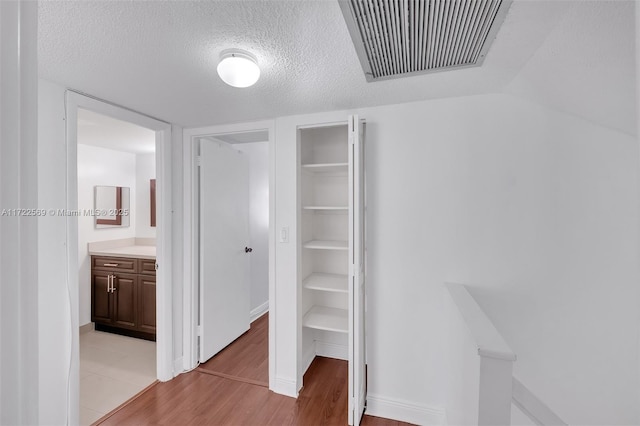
(357, 359)
(224, 234)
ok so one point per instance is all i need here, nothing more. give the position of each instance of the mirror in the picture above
(111, 206)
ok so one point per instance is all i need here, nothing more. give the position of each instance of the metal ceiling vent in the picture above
(395, 38)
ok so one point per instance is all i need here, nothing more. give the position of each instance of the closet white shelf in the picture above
(329, 319)
(333, 208)
(327, 282)
(326, 245)
(326, 167)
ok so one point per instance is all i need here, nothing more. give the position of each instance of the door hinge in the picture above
(198, 160)
(156, 266)
(199, 330)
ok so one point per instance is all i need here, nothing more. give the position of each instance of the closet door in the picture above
(357, 360)
(224, 234)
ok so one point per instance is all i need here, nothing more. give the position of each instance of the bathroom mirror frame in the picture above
(111, 213)
(152, 201)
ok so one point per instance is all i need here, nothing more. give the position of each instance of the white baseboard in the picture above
(87, 327)
(259, 311)
(178, 366)
(285, 387)
(332, 350)
(404, 411)
(308, 356)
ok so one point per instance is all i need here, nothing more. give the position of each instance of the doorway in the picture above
(114, 156)
(81, 109)
(252, 144)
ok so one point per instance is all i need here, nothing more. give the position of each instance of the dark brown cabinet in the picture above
(124, 300)
(147, 303)
(123, 296)
(101, 305)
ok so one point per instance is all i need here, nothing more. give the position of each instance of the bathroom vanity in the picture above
(123, 289)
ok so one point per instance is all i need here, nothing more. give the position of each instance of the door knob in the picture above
(248, 249)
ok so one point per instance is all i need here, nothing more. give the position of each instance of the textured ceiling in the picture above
(159, 58)
(106, 132)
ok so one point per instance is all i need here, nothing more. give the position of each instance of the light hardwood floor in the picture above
(231, 389)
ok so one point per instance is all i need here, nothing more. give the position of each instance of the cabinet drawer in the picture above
(121, 264)
(147, 266)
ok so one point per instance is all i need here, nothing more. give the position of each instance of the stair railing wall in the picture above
(480, 365)
(480, 384)
(536, 410)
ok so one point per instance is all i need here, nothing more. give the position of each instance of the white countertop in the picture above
(138, 252)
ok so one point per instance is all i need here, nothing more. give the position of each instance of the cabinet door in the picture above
(100, 298)
(124, 300)
(147, 303)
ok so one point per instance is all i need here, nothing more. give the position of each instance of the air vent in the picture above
(396, 38)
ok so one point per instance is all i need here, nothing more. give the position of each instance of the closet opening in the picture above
(331, 257)
(324, 194)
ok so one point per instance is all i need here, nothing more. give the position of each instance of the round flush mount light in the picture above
(238, 68)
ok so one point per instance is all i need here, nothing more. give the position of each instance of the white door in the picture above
(224, 234)
(357, 360)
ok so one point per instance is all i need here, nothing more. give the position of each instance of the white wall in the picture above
(19, 245)
(258, 156)
(145, 171)
(106, 167)
(57, 321)
(535, 210)
(552, 255)
(462, 384)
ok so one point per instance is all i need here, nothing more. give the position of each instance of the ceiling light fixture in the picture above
(238, 68)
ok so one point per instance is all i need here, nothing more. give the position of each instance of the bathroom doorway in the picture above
(115, 157)
(113, 154)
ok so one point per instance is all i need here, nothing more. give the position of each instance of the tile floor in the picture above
(113, 368)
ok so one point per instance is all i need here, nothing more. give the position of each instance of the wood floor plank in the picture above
(247, 357)
(198, 398)
(202, 398)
